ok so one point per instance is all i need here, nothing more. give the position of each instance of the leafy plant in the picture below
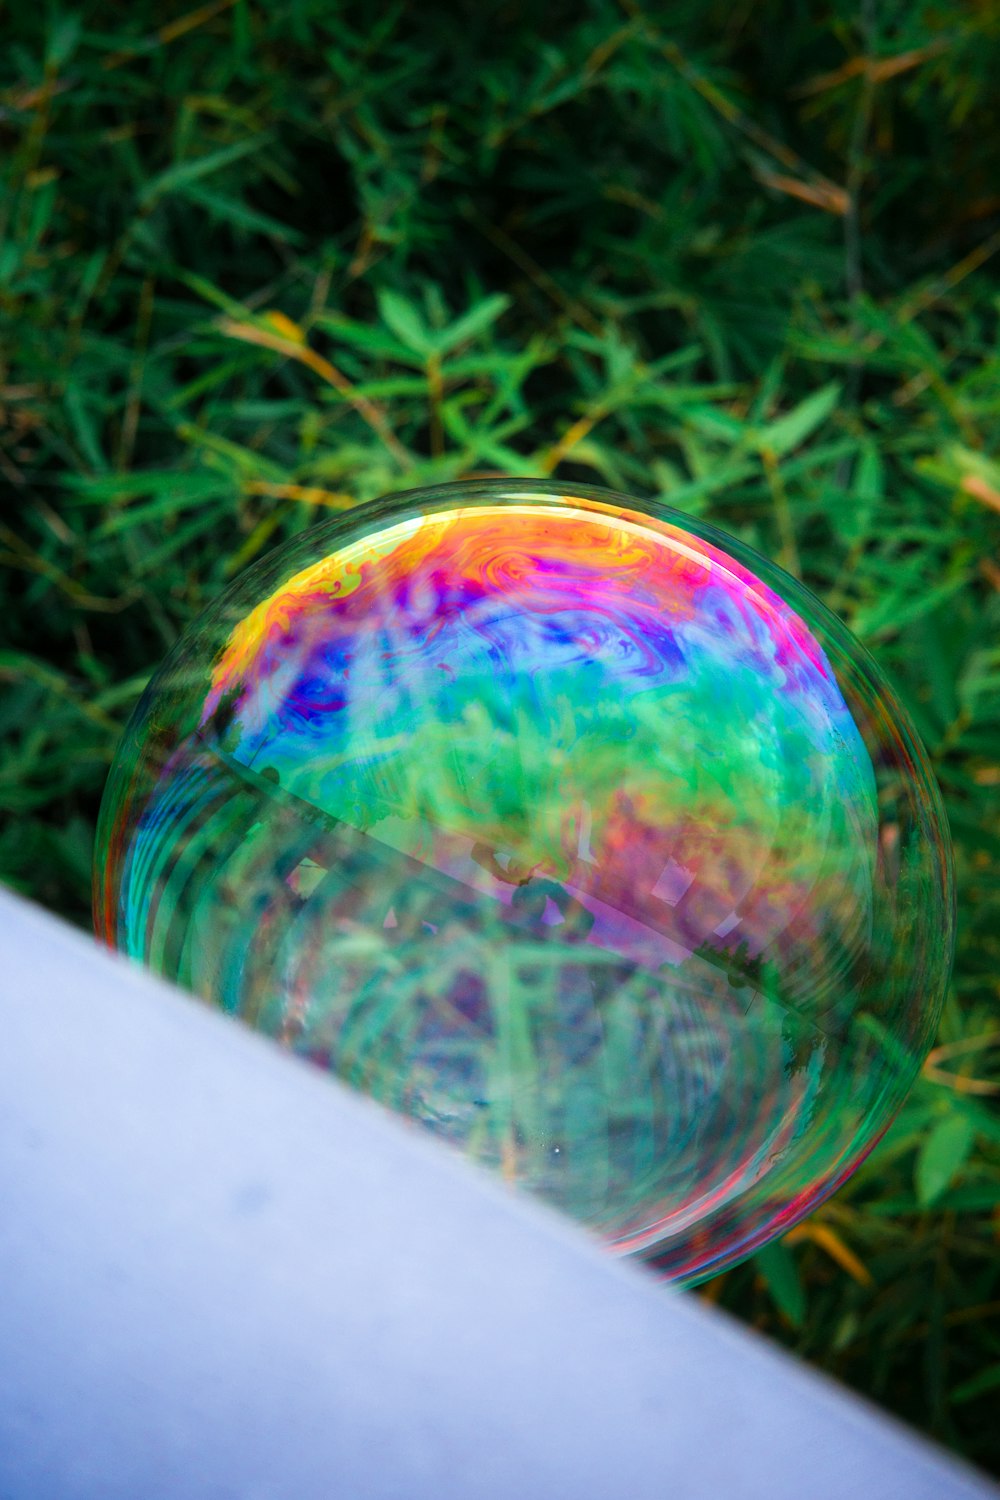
(258, 262)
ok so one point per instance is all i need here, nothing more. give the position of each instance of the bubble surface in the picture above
(566, 827)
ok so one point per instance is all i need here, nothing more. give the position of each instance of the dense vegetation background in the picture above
(258, 261)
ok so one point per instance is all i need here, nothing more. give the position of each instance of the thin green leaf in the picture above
(942, 1156)
(400, 315)
(777, 1266)
(788, 432)
(183, 173)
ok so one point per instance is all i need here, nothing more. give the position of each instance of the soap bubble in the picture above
(567, 827)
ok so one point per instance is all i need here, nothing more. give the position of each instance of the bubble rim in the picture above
(847, 656)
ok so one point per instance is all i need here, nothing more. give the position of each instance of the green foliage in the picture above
(260, 261)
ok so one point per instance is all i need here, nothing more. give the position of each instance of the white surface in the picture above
(223, 1275)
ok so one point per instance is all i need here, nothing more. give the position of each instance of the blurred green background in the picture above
(258, 262)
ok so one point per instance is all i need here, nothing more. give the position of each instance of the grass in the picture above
(260, 262)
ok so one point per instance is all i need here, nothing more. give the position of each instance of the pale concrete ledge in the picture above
(223, 1275)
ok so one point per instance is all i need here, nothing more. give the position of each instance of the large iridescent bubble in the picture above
(565, 826)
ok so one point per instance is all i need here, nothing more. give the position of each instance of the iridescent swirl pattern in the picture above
(567, 829)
